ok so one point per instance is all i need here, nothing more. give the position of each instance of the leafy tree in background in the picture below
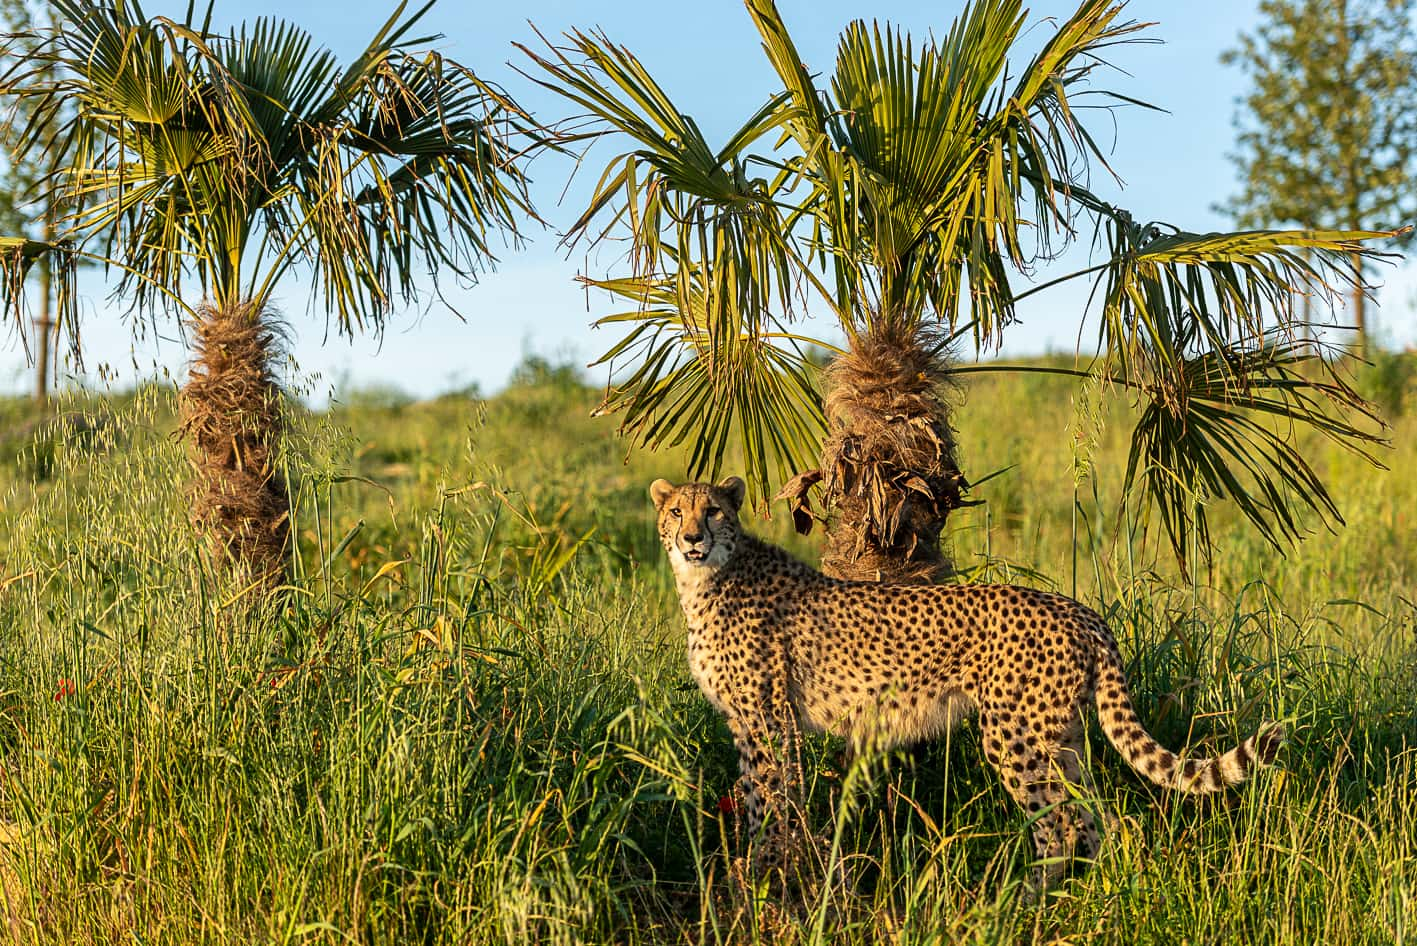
(229, 160)
(1328, 134)
(906, 199)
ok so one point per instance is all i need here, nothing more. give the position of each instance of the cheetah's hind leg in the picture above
(1043, 772)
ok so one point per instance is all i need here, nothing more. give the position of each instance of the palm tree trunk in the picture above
(888, 464)
(232, 418)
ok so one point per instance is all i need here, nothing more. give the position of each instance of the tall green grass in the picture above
(469, 719)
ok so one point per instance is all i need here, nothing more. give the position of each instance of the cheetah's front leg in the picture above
(771, 780)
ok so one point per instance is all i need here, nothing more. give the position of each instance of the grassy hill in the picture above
(469, 719)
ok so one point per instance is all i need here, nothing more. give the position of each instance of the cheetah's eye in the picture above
(676, 513)
(714, 511)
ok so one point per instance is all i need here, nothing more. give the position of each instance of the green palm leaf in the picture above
(1224, 284)
(926, 163)
(689, 383)
(1226, 432)
(674, 188)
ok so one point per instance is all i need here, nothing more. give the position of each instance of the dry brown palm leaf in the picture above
(889, 466)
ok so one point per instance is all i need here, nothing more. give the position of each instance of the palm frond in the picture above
(418, 178)
(1165, 288)
(18, 254)
(688, 383)
(1227, 432)
(676, 188)
(922, 164)
(713, 269)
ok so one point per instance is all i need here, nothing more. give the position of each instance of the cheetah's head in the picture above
(698, 522)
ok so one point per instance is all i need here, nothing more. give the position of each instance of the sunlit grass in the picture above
(469, 720)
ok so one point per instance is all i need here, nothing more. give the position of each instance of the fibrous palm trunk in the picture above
(888, 465)
(232, 418)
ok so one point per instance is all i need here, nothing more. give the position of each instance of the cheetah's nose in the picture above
(694, 539)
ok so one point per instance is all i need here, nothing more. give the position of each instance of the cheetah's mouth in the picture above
(695, 555)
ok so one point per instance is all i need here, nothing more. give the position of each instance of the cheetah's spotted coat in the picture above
(774, 644)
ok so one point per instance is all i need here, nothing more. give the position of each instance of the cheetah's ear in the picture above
(735, 489)
(659, 491)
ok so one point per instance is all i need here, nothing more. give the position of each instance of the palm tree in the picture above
(235, 158)
(908, 198)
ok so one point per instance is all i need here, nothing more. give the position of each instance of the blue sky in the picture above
(708, 58)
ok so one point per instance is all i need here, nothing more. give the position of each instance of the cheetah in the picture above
(775, 645)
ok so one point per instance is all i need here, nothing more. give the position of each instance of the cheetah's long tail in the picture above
(1165, 768)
